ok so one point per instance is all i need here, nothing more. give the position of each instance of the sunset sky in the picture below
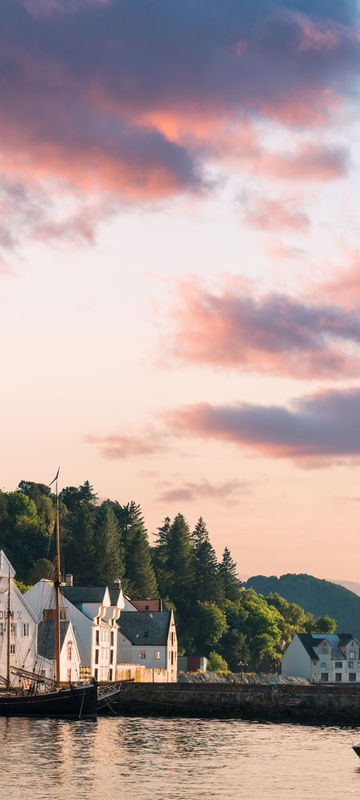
(180, 269)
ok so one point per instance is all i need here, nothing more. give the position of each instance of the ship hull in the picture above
(78, 702)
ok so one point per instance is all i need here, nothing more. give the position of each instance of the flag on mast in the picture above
(56, 477)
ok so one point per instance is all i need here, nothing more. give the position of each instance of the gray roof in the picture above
(77, 595)
(308, 642)
(145, 627)
(336, 640)
(46, 637)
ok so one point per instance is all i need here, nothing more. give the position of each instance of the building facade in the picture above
(323, 658)
(149, 639)
(23, 630)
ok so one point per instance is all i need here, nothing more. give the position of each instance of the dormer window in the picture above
(352, 654)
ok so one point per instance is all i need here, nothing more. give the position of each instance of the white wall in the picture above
(23, 640)
(296, 660)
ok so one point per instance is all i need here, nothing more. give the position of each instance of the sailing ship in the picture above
(41, 697)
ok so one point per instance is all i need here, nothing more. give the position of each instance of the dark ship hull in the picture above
(78, 702)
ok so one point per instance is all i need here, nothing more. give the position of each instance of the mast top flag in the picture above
(56, 477)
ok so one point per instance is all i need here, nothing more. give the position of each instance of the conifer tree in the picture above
(140, 577)
(231, 584)
(180, 563)
(109, 564)
(208, 586)
(160, 557)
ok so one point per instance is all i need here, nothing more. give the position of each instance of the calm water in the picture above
(175, 759)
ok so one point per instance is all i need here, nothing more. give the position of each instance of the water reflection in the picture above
(174, 759)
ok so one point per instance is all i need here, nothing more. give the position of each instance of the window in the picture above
(110, 675)
(323, 665)
(324, 677)
(96, 656)
(142, 653)
(69, 674)
(97, 637)
(352, 654)
(96, 673)
(112, 639)
(172, 637)
(352, 676)
(338, 664)
(338, 677)
(351, 664)
(172, 657)
(12, 649)
(62, 613)
(69, 652)
(157, 654)
(26, 629)
(13, 629)
(2, 628)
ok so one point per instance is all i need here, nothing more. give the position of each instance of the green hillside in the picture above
(315, 595)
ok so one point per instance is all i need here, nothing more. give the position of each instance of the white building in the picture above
(148, 638)
(93, 617)
(323, 658)
(23, 631)
(69, 653)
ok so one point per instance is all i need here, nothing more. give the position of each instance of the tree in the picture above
(42, 568)
(180, 564)
(216, 663)
(109, 564)
(207, 585)
(324, 624)
(140, 576)
(231, 584)
(211, 626)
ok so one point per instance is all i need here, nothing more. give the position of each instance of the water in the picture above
(175, 759)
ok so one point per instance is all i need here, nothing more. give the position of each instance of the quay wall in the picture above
(312, 703)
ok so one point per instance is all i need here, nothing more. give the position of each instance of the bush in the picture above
(216, 663)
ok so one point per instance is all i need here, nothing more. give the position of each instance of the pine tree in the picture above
(180, 563)
(109, 564)
(208, 586)
(160, 557)
(231, 584)
(140, 576)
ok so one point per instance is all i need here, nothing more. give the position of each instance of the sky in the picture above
(179, 265)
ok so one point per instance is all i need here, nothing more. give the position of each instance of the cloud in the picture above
(229, 490)
(115, 446)
(135, 100)
(311, 162)
(275, 333)
(315, 430)
(269, 214)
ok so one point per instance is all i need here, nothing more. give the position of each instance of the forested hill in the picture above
(314, 595)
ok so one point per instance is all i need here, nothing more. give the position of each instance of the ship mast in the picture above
(57, 584)
(8, 635)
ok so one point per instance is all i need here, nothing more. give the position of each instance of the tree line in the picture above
(101, 542)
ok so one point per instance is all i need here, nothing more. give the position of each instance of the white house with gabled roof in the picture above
(93, 617)
(323, 658)
(23, 631)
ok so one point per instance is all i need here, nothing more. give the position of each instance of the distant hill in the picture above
(354, 586)
(315, 595)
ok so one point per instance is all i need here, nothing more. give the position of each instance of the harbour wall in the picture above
(303, 703)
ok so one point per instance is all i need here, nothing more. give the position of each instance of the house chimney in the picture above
(69, 579)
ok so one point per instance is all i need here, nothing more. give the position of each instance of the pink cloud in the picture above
(190, 491)
(311, 162)
(118, 446)
(274, 214)
(275, 333)
(314, 431)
